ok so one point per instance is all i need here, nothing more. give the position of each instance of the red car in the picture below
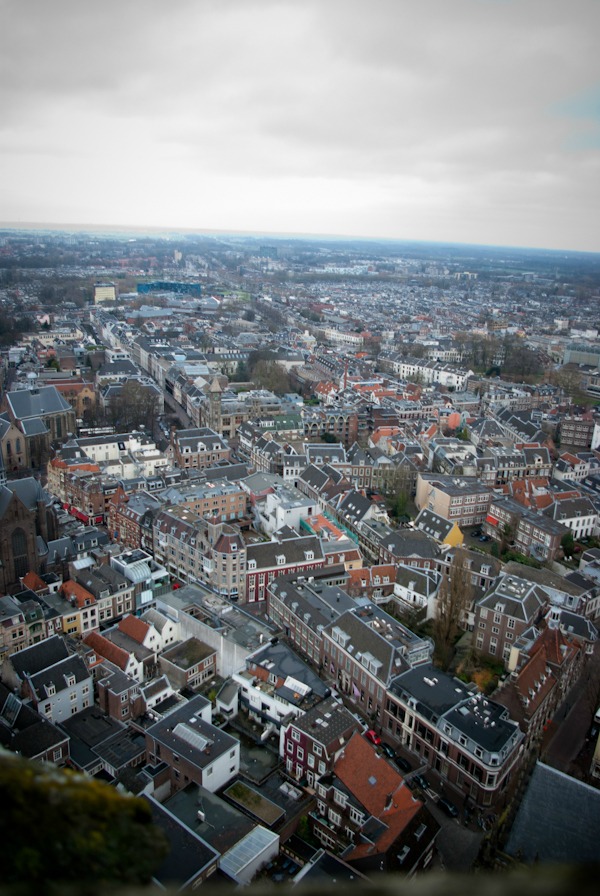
(373, 737)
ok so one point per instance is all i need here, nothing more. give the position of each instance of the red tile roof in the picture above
(380, 789)
(134, 627)
(107, 649)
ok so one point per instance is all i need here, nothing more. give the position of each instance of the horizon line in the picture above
(58, 227)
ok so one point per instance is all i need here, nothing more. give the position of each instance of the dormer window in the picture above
(251, 564)
(280, 559)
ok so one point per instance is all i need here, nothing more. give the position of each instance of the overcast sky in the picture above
(450, 120)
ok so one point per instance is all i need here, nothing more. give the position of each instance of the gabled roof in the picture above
(39, 656)
(42, 402)
(134, 627)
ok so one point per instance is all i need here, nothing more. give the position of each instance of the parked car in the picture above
(476, 533)
(448, 807)
(389, 751)
(372, 735)
(402, 763)
(484, 538)
(421, 781)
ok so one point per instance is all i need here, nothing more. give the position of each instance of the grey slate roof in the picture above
(39, 656)
(57, 676)
(23, 730)
(558, 820)
(520, 598)
(25, 403)
(335, 721)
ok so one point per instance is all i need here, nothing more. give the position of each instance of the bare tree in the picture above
(454, 599)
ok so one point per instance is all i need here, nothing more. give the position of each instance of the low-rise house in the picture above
(416, 589)
(57, 683)
(276, 684)
(530, 695)
(311, 743)
(124, 659)
(193, 749)
(189, 663)
(99, 743)
(442, 530)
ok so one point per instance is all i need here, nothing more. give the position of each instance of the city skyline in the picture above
(474, 123)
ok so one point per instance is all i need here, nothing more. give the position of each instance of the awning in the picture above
(491, 520)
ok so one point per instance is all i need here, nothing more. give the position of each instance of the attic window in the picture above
(280, 559)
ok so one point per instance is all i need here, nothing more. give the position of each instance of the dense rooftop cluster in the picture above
(300, 542)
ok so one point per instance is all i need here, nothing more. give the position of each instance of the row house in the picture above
(84, 615)
(311, 743)
(199, 448)
(564, 656)
(368, 467)
(376, 582)
(57, 683)
(462, 500)
(301, 606)
(365, 814)
(149, 578)
(418, 370)
(22, 622)
(118, 693)
(412, 547)
(87, 495)
(130, 518)
(106, 649)
(575, 467)
(519, 425)
(577, 514)
(124, 699)
(266, 561)
(266, 455)
(363, 650)
(531, 696)
(470, 741)
(511, 606)
(529, 531)
(114, 594)
(497, 466)
(61, 466)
